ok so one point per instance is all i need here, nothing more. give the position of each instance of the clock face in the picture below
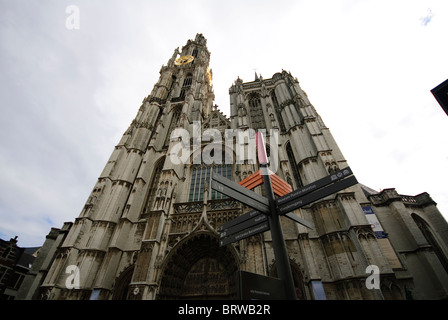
(183, 60)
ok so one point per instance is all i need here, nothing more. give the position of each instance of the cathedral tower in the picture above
(149, 227)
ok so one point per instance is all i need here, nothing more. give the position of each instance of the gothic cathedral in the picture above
(149, 227)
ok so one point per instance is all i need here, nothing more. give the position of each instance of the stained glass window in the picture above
(201, 175)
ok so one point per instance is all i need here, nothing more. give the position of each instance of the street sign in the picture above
(253, 223)
(237, 220)
(441, 94)
(300, 201)
(239, 193)
(315, 185)
(239, 197)
(301, 221)
(246, 233)
(244, 225)
(252, 286)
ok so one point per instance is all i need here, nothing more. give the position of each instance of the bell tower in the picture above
(119, 233)
(184, 90)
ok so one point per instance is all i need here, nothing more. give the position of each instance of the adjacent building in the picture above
(15, 263)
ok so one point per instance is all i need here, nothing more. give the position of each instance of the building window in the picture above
(173, 81)
(6, 253)
(15, 280)
(153, 186)
(173, 124)
(3, 272)
(200, 177)
(186, 85)
(256, 113)
(195, 52)
(187, 81)
(278, 110)
(293, 164)
(430, 237)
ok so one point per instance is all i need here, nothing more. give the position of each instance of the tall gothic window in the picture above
(173, 81)
(293, 164)
(173, 124)
(429, 236)
(201, 176)
(153, 186)
(278, 110)
(186, 85)
(256, 113)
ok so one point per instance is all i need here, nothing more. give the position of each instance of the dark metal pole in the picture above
(281, 254)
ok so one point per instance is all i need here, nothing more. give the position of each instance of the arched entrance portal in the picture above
(122, 284)
(199, 269)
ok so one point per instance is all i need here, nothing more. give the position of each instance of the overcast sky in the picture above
(68, 95)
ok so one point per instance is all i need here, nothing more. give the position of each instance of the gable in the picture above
(216, 120)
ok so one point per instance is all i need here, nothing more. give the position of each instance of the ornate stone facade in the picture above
(149, 228)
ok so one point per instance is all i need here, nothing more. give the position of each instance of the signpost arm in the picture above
(281, 254)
